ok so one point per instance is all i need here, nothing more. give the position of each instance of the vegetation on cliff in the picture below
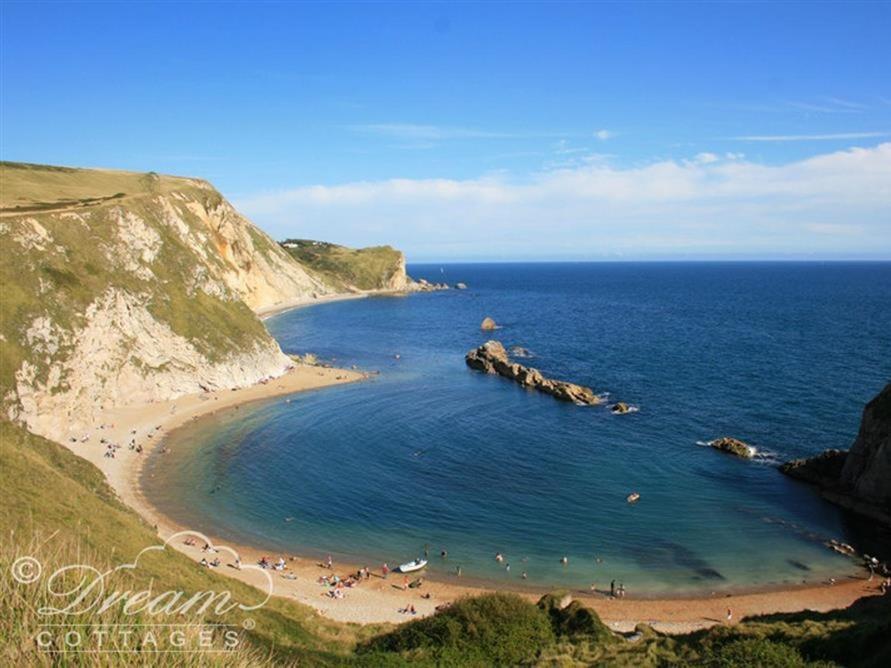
(119, 284)
(344, 269)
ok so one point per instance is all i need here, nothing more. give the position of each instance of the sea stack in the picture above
(488, 324)
(491, 357)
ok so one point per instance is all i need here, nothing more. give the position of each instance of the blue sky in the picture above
(574, 130)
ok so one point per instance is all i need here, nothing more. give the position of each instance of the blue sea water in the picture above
(431, 453)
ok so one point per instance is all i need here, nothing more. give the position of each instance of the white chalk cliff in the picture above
(122, 288)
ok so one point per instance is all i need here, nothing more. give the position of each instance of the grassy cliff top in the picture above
(345, 268)
(26, 187)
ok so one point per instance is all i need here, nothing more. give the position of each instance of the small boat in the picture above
(415, 565)
(634, 497)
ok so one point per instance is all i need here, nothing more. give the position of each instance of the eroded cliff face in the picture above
(858, 479)
(258, 270)
(400, 280)
(867, 469)
(121, 288)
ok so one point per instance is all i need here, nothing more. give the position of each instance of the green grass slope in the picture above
(58, 509)
(343, 268)
(33, 188)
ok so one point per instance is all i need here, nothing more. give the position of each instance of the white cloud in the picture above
(706, 158)
(603, 135)
(707, 205)
(826, 137)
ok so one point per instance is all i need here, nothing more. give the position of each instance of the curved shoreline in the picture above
(378, 600)
(348, 562)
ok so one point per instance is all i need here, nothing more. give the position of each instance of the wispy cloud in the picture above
(830, 105)
(826, 137)
(413, 132)
(822, 105)
(847, 104)
(830, 203)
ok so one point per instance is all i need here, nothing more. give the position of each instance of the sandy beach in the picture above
(281, 307)
(378, 599)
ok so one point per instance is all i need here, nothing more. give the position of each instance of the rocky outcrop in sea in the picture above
(491, 357)
(859, 479)
(423, 285)
(733, 446)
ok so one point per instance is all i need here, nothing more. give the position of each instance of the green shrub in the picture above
(494, 629)
(754, 652)
(574, 619)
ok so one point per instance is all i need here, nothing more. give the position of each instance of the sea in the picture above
(431, 457)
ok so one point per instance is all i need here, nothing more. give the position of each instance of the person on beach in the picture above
(329, 562)
(458, 571)
(612, 589)
(729, 615)
(385, 571)
(237, 564)
(404, 582)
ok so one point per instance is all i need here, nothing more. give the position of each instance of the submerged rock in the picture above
(491, 357)
(488, 324)
(620, 408)
(733, 446)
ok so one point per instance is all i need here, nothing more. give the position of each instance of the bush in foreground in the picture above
(494, 629)
(757, 652)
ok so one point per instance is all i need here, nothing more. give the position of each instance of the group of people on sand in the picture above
(616, 592)
(338, 585)
(207, 548)
(414, 584)
(112, 448)
(875, 566)
(266, 562)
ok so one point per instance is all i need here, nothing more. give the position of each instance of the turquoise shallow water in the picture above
(432, 453)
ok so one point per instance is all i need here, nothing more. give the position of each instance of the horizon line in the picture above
(835, 260)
